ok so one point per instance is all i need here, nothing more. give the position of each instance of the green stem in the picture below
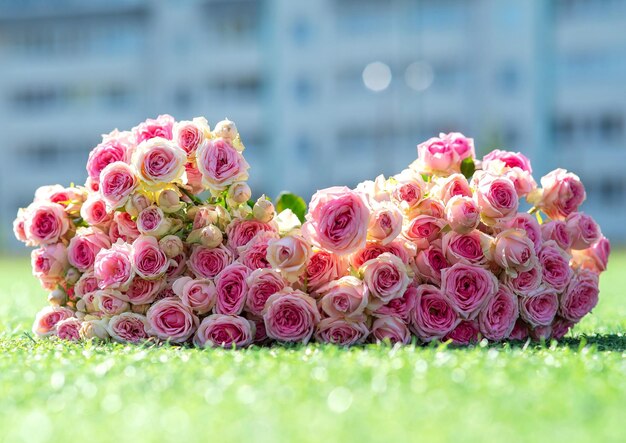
(195, 200)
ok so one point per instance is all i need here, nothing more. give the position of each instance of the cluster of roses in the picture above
(439, 251)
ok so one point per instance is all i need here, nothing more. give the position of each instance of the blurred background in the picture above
(323, 92)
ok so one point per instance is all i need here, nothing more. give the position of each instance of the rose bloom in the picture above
(443, 155)
(49, 264)
(86, 283)
(113, 267)
(595, 258)
(391, 329)
(373, 250)
(526, 222)
(238, 193)
(580, 296)
(520, 330)
(556, 230)
(468, 288)
(444, 188)
(337, 220)
(231, 289)
(123, 227)
(341, 332)
(423, 229)
(510, 160)
(45, 223)
(386, 277)
(110, 302)
(137, 202)
(540, 307)
(254, 253)
(117, 182)
(172, 246)
(290, 316)
(206, 262)
(220, 164)
(462, 214)
(400, 307)
(177, 266)
(227, 331)
(260, 334)
(71, 198)
(143, 291)
(514, 251)
(555, 263)
(322, 268)
(262, 283)
(148, 259)
(159, 161)
(497, 319)
(161, 127)
(495, 196)
(169, 319)
(47, 319)
(152, 221)
(68, 329)
(525, 282)
(241, 231)
(433, 315)
(84, 246)
(18, 225)
(465, 248)
(409, 189)
(583, 230)
(430, 262)
(94, 329)
(385, 223)
(376, 191)
(465, 333)
(346, 298)
(191, 134)
(428, 206)
(562, 194)
(560, 327)
(289, 255)
(523, 181)
(94, 212)
(199, 295)
(540, 333)
(107, 152)
(128, 327)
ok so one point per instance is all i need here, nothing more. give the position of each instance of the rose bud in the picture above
(210, 236)
(242, 211)
(136, 203)
(462, 214)
(171, 245)
(263, 210)
(226, 129)
(94, 329)
(71, 276)
(289, 255)
(152, 221)
(169, 201)
(57, 297)
(238, 193)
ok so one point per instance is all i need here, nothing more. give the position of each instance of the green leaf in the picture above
(468, 167)
(287, 200)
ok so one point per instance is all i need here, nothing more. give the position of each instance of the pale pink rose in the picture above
(128, 327)
(526, 281)
(400, 307)
(497, 319)
(68, 329)
(465, 248)
(443, 155)
(238, 193)
(262, 283)
(148, 259)
(191, 134)
(107, 152)
(231, 289)
(49, 264)
(557, 231)
(423, 229)
(45, 223)
(18, 226)
(84, 246)
(341, 332)
(523, 181)
(385, 223)
(123, 227)
(110, 302)
(198, 295)
(372, 250)
(254, 253)
(580, 296)
(595, 258)
(428, 206)
(386, 277)
(528, 223)
(172, 246)
(137, 202)
(555, 263)
(562, 194)
(346, 298)
(161, 127)
(444, 188)
(290, 316)
(113, 267)
(583, 230)
(430, 262)
(408, 190)
(560, 327)
(152, 221)
(143, 291)
(337, 220)
(169, 319)
(289, 255)
(510, 160)
(240, 232)
(324, 267)
(514, 251)
(263, 210)
(117, 182)
(207, 263)
(376, 191)
(462, 214)
(220, 164)
(540, 307)
(70, 198)
(391, 329)
(47, 319)
(177, 266)
(87, 283)
(468, 288)
(159, 161)
(495, 196)
(433, 315)
(194, 177)
(94, 329)
(520, 330)
(465, 333)
(94, 212)
(227, 331)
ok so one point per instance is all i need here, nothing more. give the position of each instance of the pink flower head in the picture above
(465, 333)
(152, 221)
(528, 223)
(84, 246)
(241, 231)
(510, 160)
(94, 211)
(113, 267)
(555, 262)
(433, 315)
(208, 262)
(262, 283)
(557, 231)
(45, 223)
(289, 255)
(595, 258)
(117, 182)
(443, 155)
(198, 295)
(444, 188)
(341, 332)
(110, 302)
(220, 164)
(169, 319)
(468, 288)
(189, 135)
(107, 152)
(124, 227)
(423, 229)
(462, 214)
(158, 161)
(149, 261)
(48, 318)
(385, 223)
(227, 331)
(373, 250)
(231, 289)
(497, 319)
(430, 262)
(290, 316)
(409, 189)
(465, 248)
(390, 328)
(580, 296)
(160, 127)
(49, 264)
(254, 253)
(143, 291)
(386, 277)
(525, 282)
(495, 196)
(583, 230)
(87, 283)
(560, 327)
(520, 330)
(400, 307)
(128, 327)
(323, 267)
(68, 329)
(562, 194)
(347, 298)
(514, 251)
(540, 307)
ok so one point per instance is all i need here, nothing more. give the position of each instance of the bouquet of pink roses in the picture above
(163, 243)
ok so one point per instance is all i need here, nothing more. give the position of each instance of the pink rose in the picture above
(560, 327)
(510, 160)
(159, 161)
(113, 267)
(148, 259)
(495, 196)
(198, 295)
(227, 331)
(409, 189)
(386, 277)
(465, 333)
(231, 289)
(45, 223)
(324, 267)
(137, 202)
(49, 264)
(220, 164)
(152, 221)
(400, 307)
(194, 177)
(207, 263)
(290, 316)
(262, 283)
(385, 223)
(143, 291)
(583, 230)
(260, 334)
(18, 226)
(557, 231)
(177, 265)
(117, 182)
(528, 223)
(373, 250)
(430, 262)
(86, 284)
(169, 319)
(254, 253)
(289, 255)
(433, 315)
(48, 318)
(68, 329)
(520, 330)
(240, 231)
(444, 188)
(497, 319)
(540, 307)
(123, 227)
(523, 181)
(104, 154)
(465, 248)
(468, 288)
(337, 220)
(562, 194)
(430, 207)
(595, 258)
(443, 155)
(555, 264)
(341, 332)
(462, 214)
(84, 246)
(390, 328)
(346, 298)
(540, 333)
(128, 327)
(172, 246)
(161, 127)
(423, 229)
(191, 134)
(70, 198)
(514, 251)
(580, 296)
(94, 212)
(110, 302)
(526, 281)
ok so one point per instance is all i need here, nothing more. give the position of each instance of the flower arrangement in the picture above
(163, 243)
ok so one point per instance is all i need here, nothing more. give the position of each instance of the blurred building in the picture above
(324, 92)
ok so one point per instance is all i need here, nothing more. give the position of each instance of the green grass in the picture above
(574, 391)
